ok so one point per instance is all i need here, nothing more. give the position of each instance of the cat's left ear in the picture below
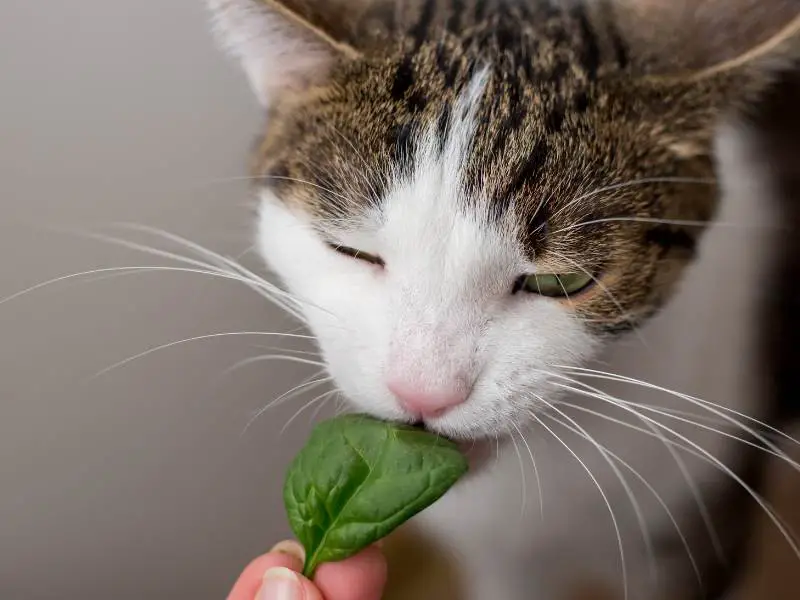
(284, 45)
(695, 62)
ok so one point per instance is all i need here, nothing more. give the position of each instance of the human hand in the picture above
(276, 576)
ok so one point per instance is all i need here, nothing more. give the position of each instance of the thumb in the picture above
(280, 583)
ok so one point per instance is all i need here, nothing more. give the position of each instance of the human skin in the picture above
(276, 576)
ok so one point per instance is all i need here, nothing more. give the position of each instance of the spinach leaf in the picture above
(358, 478)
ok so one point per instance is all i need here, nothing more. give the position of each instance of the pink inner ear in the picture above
(277, 53)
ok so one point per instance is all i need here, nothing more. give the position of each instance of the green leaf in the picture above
(357, 479)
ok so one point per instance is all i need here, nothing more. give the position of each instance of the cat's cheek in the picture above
(342, 301)
(357, 375)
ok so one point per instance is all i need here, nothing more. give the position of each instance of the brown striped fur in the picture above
(569, 107)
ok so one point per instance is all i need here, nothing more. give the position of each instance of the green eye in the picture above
(552, 285)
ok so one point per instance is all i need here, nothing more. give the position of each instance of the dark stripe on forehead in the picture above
(581, 102)
(420, 30)
(555, 118)
(401, 147)
(528, 172)
(589, 56)
(525, 10)
(606, 27)
(417, 102)
(452, 74)
(536, 223)
(620, 47)
(442, 58)
(443, 127)
(510, 123)
(456, 14)
(480, 10)
(404, 88)
(504, 29)
(520, 184)
(403, 78)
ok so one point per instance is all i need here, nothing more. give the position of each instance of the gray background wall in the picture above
(138, 484)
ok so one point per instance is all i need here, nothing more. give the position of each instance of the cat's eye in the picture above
(358, 254)
(553, 285)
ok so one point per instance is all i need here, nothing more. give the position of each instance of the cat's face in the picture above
(460, 214)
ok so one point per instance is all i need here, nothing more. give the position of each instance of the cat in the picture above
(550, 231)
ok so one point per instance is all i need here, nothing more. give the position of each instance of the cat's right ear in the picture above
(282, 45)
(680, 37)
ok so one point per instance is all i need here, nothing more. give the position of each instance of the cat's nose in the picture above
(428, 403)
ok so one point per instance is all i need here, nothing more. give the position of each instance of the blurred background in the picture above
(139, 483)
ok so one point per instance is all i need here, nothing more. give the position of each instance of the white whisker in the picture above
(289, 350)
(266, 358)
(637, 509)
(322, 188)
(334, 395)
(319, 399)
(655, 494)
(653, 220)
(261, 286)
(535, 469)
(194, 339)
(266, 289)
(605, 499)
(768, 510)
(524, 503)
(718, 410)
(114, 270)
(341, 406)
(671, 445)
(720, 432)
(635, 182)
(308, 384)
(691, 484)
(269, 357)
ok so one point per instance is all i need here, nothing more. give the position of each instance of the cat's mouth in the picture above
(477, 450)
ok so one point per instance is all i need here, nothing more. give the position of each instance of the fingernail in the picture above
(280, 583)
(291, 548)
(379, 544)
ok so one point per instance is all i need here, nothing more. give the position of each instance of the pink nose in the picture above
(427, 403)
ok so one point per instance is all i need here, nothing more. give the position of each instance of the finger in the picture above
(280, 583)
(361, 577)
(286, 554)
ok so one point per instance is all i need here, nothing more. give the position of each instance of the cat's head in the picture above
(465, 195)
